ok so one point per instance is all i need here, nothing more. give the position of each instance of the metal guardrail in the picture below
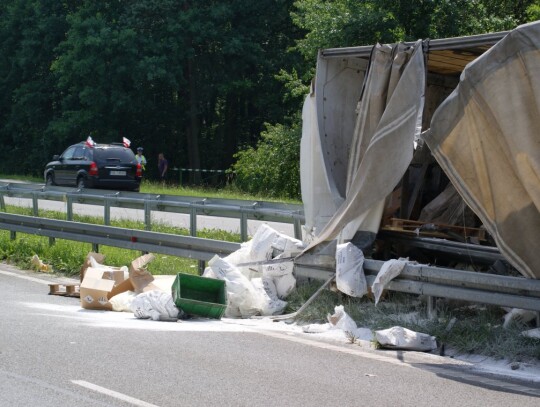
(515, 292)
(193, 206)
(142, 240)
(504, 291)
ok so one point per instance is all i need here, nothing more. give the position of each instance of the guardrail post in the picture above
(147, 215)
(35, 208)
(12, 235)
(193, 221)
(69, 209)
(243, 226)
(95, 247)
(2, 203)
(107, 211)
(52, 241)
(202, 266)
(297, 229)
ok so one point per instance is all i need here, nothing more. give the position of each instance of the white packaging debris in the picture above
(261, 244)
(267, 305)
(398, 337)
(350, 278)
(317, 328)
(532, 333)
(122, 302)
(94, 264)
(278, 269)
(246, 298)
(284, 285)
(520, 316)
(389, 270)
(341, 320)
(240, 292)
(257, 289)
(154, 305)
(285, 246)
(268, 243)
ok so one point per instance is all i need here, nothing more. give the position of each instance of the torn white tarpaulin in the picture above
(485, 137)
(361, 179)
(398, 337)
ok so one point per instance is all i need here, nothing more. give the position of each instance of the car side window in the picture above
(87, 154)
(68, 154)
(79, 153)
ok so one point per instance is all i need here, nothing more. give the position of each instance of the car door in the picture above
(74, 164)
(61, 170)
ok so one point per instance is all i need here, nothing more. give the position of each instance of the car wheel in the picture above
(49, 181)
(81, 182)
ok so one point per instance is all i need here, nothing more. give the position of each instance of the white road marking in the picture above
(328, 346)
(113, 393)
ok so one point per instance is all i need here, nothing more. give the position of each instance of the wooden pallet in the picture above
(66, 290)
(411, 226)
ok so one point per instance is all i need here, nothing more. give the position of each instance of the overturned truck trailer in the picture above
(429, 150)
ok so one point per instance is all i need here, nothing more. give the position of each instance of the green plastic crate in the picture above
(205, 297)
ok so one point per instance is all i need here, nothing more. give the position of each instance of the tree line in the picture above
(214, 84)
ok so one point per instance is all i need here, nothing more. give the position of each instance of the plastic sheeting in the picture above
(383, 140)
(486, 138)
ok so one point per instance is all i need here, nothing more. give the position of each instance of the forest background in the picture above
(214, 84)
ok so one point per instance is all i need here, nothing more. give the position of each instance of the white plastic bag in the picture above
(154, 304)
(350, 278)
(398, 337)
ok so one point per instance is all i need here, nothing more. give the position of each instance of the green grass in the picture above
(26, 178)
(156, 188)
(477, 329)
(229, 192)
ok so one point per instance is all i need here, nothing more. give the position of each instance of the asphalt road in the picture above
(53, 353)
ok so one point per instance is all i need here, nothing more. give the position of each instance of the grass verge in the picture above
(66, 256)
(477, 328)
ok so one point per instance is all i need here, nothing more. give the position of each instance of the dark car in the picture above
(109, 166)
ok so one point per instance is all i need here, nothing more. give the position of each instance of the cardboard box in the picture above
(100, 284)
(87, 263)
(142, 279)
(97, 287)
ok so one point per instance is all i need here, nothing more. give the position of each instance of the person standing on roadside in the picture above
(141, 158)
(163, 166)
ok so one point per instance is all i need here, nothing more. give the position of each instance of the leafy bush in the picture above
(272, 168)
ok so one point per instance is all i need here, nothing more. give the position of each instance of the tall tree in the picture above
(29, 32)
